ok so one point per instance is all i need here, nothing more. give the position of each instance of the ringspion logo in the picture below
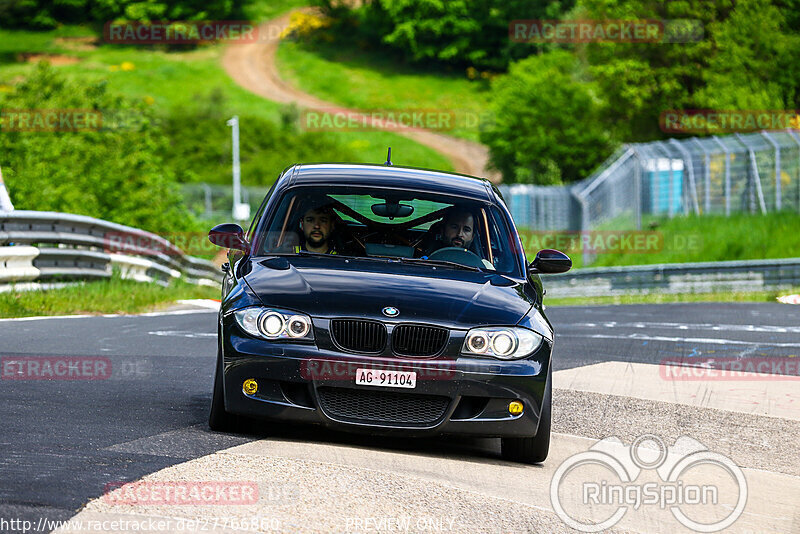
(611, 480)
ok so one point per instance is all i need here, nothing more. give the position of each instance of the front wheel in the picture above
(532, 450)
(219, 420)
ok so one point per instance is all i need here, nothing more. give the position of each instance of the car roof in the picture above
(390, 176)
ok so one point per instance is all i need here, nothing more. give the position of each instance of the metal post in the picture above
(689, 170)
(706, 175)
(5, 200)
(238, 212)
(207, 198)
(584, 225)
(777, 148)
(637, 189)
(670, 192)
(793, 136)
(755, 176)
(727, 174)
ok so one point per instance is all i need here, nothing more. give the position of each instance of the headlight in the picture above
(504, 343)
(275, 324)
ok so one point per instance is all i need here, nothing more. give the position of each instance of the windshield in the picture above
(388, 223)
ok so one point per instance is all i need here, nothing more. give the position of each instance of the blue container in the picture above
(662, 178)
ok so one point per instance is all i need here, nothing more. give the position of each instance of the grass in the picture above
(173, 80)
(261, 10)
(105, 296)
(700, 239)
(366, 80)
(662, 298)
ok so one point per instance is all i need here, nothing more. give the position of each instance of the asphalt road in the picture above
(63, 441)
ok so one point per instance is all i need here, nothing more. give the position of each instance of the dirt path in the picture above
(253, 66)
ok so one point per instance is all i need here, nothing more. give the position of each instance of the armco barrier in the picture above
(45, 245)
(735, 276)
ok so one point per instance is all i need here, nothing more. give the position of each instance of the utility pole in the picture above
(241, 212)
(5, 200)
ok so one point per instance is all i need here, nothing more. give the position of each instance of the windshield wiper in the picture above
(441, 262)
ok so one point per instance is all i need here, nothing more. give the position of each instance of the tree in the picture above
(548, 125)
(458, 33)
(114, 172)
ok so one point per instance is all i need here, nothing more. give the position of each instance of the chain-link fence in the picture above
(753, 173)
(211, 202)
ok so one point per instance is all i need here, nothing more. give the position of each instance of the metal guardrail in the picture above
(50, 245)
(735, 276)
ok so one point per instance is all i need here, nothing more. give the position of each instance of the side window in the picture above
(259, 213)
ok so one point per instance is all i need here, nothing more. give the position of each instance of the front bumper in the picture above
(303, 383)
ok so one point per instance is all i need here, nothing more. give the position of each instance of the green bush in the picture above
(199, 146)
(117, 173)
(458, 33)
(47, 14)
(547, 127)
(561, 113)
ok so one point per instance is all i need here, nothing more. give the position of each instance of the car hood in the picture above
(328, 287)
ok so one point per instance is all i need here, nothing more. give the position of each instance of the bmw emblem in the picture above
(391, 311)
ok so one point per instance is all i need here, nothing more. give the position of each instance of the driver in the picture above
(459, 229)
(317, 226)
(456, 229)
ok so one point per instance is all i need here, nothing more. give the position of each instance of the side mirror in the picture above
(229, 235)
(549, 261)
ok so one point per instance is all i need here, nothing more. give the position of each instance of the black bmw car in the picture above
(386, 300)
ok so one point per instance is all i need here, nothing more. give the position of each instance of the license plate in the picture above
(389, 379)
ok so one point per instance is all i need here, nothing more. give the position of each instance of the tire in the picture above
(532, 450)
(218, 419)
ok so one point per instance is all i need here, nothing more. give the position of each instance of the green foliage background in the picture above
(562, 108)
(129, 170)
(46, 14)
(118, 173)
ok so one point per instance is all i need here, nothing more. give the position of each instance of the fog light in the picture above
(515, 407)
(250, 386)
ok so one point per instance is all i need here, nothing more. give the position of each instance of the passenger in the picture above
(317, 226)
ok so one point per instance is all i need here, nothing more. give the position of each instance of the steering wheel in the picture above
(458, 255)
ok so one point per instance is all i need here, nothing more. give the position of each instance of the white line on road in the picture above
(182, 333)
(688, 326)
(706, 340)
(111, 315)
